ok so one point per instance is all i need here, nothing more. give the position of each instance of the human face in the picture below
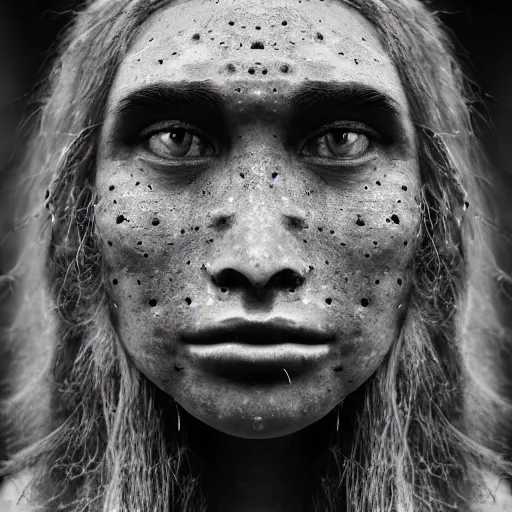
(258, 162)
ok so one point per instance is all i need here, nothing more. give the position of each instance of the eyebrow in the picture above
(308, 95)
(353, 94)
(197, 102)
(163, 94)
(204, 103)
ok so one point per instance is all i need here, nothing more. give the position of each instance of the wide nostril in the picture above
(231, 278)
(286, 278)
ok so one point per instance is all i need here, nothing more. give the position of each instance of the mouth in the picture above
(274, 331)
(257, 352)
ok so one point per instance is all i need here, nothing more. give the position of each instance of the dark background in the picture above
(29, 30)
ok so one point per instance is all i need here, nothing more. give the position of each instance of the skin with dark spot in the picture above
(252, 205)
(258, 241)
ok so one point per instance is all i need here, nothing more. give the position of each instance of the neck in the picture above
(259, 475)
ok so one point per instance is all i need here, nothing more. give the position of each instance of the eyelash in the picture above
(373, 137)
(167, 126)
(350, 127)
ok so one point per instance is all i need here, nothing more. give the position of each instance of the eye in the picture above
(178, 142)
(339, 143)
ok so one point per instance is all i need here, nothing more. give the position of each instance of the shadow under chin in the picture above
(203, 440)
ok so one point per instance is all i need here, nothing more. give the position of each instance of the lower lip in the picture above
(293, 357)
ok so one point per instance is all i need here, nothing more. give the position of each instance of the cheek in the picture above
(370, 253)
(151, 255)
(369, 247)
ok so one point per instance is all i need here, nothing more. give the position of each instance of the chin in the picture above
(264, 428)
(259, 419)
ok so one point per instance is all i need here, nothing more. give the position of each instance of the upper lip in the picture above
(243, 330)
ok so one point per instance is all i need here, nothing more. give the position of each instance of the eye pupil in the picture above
(339, 136)
(178, 142)
(338, 143)
(177, 135)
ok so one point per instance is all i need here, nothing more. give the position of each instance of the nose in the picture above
(270, 274)
(259, 256)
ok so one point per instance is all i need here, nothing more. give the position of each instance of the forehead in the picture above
(273, 42)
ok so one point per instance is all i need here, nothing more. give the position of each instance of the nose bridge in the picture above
(258, 218)
(259, 120)
(260, 238)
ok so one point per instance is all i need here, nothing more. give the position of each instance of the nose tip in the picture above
(257, 278)
(259, 255)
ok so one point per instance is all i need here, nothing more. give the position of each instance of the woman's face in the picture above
(257, 178)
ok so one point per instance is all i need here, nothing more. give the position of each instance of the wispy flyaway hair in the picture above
(98, 436)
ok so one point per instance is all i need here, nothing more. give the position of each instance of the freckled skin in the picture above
(258, 239)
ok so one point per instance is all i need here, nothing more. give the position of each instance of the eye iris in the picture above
(346, 143)
(175, 142)
(178, 141)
